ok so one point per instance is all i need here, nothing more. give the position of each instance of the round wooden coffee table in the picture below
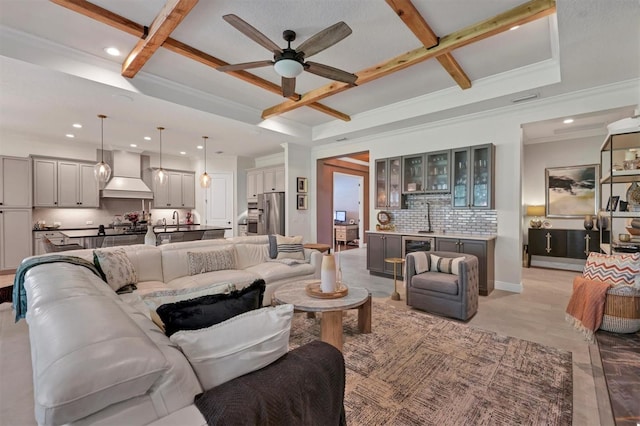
(331, 321)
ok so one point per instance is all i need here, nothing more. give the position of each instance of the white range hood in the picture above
(126, 181)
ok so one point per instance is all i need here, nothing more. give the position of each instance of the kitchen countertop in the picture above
(159, 229)
(438, 235)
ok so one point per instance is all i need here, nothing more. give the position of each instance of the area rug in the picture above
(418, 369)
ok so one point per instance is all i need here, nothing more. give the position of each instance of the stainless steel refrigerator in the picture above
(271, 213)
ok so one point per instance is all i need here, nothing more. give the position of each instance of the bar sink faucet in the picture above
(176, 216)
(164, 222)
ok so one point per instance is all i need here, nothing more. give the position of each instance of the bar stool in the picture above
(395, 261)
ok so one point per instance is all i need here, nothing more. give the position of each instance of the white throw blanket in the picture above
(289, 262)
(422, 261)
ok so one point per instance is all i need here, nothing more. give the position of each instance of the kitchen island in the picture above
(90, 238)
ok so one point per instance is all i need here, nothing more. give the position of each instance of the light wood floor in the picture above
(537, 315)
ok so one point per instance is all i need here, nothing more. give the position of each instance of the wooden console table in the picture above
(346, 233)
(568, 243)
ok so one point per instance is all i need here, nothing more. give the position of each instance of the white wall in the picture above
(346, 194)
(297, 164)
(502, 127)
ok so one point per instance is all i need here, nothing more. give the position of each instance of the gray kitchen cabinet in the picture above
(438, 172)
(380, 247)
(413, 174)
(483, 250)
(15, 237)
(389, 183)
(473, 177)
(45, 182)
(15, 182)
(177, 193)
(64, 183)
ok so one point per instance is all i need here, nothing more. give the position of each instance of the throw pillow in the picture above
(422, 261)
(273, 246)
(616, 269)
(447, 265)
(205, 311)
(209, 261)
(290, 247)
(237, 346)
(115, 267)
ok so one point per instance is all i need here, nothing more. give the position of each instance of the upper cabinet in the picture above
(261, 181)
(413, 175)
(15, 182)
(64, 183)
(438, 172)
(177, 193)
(389, 183)
(473, 177)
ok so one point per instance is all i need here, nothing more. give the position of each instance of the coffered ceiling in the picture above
(54, 71)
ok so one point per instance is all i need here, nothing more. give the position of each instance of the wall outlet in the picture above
(89, 222)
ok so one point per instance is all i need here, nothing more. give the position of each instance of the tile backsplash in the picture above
(443, 217)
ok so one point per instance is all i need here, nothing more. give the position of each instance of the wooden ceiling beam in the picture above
(519, 15)
(167, 20)
(408, 13)
(104, 16)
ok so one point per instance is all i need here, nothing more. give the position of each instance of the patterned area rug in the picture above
(417, 369)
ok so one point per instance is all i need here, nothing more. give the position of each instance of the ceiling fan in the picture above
(288, 62)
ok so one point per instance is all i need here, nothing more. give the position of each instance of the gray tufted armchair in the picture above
(442, 293)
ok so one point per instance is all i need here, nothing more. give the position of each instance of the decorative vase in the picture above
(150, 236)
(588, 222)
(602, 221)
(328, 274)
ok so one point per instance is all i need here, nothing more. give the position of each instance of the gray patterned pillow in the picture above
(209, 261)
(116, 268)
(290, 247)
(448, 265)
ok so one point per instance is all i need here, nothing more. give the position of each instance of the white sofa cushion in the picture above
(240, 278)
(87, 334)
(175, 262)
(275, 271)
(216, 259)
(157, 298)
(237, 346)
(250, 254)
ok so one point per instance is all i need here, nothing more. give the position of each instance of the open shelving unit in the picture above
(616, 181)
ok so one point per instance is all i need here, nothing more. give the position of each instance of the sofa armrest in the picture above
(315, 260)
(310, 384)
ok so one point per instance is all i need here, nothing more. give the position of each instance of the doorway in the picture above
(356, 164)
(347, 208)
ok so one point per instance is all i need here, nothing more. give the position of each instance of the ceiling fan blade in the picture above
(244, 66)
(325, 38)
(330, 72)
(255, 35)
(288, 86)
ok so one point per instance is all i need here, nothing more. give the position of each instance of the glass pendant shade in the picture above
(102, 171)
(288, 68)
(160, 176)
(205, 179)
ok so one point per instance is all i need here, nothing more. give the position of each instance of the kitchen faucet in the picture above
(176, 216)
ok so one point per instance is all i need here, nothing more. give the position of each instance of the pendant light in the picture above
(102, 171)
(160, 175)
(205, 179)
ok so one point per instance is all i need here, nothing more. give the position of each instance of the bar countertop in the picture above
(158, 229)
(481, 237)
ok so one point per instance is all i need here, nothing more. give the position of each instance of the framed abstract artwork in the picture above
(572, 192)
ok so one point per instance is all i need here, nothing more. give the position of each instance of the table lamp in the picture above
(536, 212)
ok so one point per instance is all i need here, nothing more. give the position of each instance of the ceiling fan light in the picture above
(205, 180)
(102, 172)
(288, 68)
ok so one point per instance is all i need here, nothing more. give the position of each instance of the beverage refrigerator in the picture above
(271, 213)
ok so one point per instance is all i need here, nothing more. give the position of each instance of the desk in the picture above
(346, 233)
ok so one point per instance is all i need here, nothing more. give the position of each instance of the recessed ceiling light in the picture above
(147, 138)
(133, 145)
(77, 125)
(199, 147)
(112, 51)
(70, 135)
(568, 121)
(515, 27)
(183, 153)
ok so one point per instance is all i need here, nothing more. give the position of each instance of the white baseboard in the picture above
(512, 287)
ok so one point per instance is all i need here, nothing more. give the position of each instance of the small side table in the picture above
(318, 246)
(396, 261)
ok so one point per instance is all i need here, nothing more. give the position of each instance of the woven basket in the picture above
(622, 310)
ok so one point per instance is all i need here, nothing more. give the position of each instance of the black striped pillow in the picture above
(290, 247)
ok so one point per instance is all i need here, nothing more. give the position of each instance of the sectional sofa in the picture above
(98, 358)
